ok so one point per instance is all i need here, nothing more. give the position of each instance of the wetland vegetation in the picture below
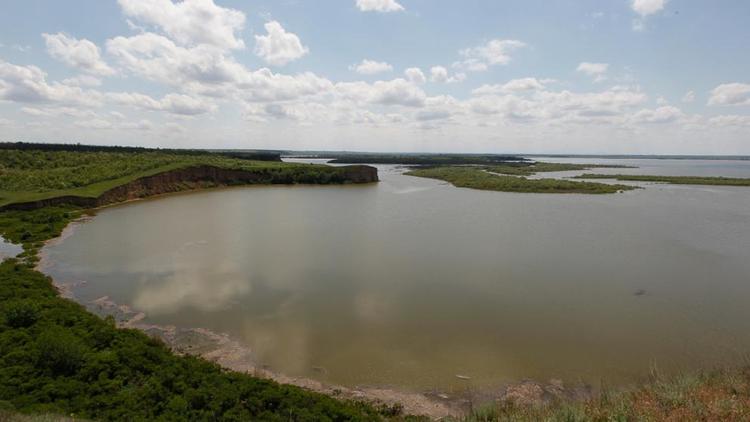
(481, 178)
(674, 180)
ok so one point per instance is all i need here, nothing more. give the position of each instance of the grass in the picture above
(479, 178)
(675, 180)
(528, 169)
(722, 395)
(29, 175)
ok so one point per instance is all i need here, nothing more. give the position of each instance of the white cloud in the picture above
(371, 67)
(440, 74)
(143, 124)
(59, 111)
(158, 58)
(494, 52)
(665, 114)
(647, 7)
(82, 54)
(28, 84)
(83, 80)
(172, 103)
(382, 6)
(595, 70)
(415, 75)
(514, 85)
(736, 94)
(689, 97)
(190, 22)
(98, 124)
(396, 92)
(279, 47)
(731, 120)
(610, 106)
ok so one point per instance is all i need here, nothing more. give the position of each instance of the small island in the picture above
(499, 178)
(674, 180)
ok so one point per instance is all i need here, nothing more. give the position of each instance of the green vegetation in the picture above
(531, 168)
(675, 180)
(479, 178)
(29, 175)
(715, 396)
(423, 159)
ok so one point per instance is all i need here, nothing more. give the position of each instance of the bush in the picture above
(21, 314)
(60, 351)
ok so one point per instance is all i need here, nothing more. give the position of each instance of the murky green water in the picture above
(411, 281)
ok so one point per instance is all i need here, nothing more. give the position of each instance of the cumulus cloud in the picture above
(83, 80)
(647, 7)
(494, 52)
(172, 103)
(158, 58)
(81, 54)
(731, 120)
(665, 114)
(98, 124)
(689, 97)
(440, 74)
(596, 70)
(733, 94)
(279, 47)
(371, 67)
(396, 92)
(512, 86)
(382, 6)
(611, 105)
(190, 22)
(415, 75)
(28, 84)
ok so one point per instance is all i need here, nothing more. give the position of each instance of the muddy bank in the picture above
(200, 177)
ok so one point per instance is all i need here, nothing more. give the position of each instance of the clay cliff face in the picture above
(199, 177)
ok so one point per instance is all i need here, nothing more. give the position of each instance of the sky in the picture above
(526, 76)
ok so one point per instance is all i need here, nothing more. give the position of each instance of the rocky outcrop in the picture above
(199, 177)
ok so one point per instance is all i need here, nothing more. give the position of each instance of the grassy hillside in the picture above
(28, 175)
(675, 180)
(480, 178)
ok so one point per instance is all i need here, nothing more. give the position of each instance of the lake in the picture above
(410, 281)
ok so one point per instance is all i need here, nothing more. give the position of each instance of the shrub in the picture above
(21, 313)
(59, 351)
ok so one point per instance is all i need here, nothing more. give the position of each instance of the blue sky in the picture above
(618, 76)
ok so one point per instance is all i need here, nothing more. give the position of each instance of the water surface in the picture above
(411, 281)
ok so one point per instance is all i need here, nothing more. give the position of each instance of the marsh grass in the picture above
(675, 180)
(479, 178)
